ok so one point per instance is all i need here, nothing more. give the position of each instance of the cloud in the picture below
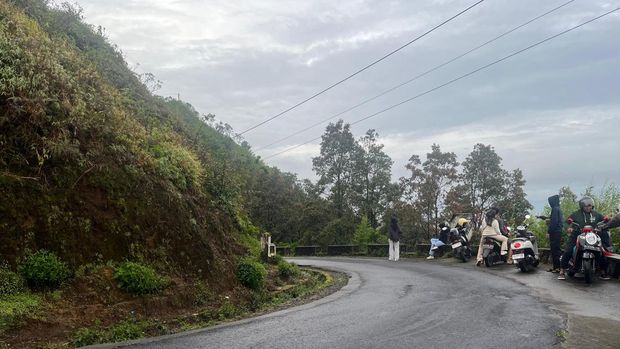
(544, 111)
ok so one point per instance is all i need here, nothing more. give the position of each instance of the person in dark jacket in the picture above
(442, 239)
(394, 239)
(554, 231)
(584, 216)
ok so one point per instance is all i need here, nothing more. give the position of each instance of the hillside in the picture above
(94, 167)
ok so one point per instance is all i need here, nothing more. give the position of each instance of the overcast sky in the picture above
(552, 111)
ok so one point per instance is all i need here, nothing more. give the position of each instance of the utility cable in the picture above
(361, 70)
(457, 79)
(415, 77)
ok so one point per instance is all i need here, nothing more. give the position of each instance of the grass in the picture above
(17, 306)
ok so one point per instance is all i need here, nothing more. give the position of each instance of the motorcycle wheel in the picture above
(587, 271)
(464, 254)
(487, 261)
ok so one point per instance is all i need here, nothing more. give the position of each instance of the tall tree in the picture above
(334, 165)
(483, 177)
(371, 178)
(439, 175)
(515, 204)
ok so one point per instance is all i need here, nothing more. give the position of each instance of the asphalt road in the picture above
(405, 304)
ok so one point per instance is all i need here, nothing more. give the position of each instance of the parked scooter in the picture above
(586, 254)
(459, 238)
(525, 248)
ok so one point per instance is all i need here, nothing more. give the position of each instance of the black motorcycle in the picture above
(459, 239)
(491, 252)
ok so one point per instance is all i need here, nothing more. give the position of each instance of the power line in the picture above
(361, 70)
(416, 77)
(456, 79)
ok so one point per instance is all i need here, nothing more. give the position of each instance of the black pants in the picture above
(567, 256)
(556, 250)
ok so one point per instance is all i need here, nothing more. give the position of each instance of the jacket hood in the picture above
(554, 200)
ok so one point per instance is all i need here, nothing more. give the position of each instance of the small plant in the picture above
(44, 269)
(10, 282)
(287, 270)
(251, 274)
(122, 331)
(227, 311)
(88, 336)
(138, 279)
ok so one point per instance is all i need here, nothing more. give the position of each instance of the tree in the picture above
(335, 165)
(515, 204)
(429, 184)
(371, 177)
(483, 177)
(439, 175)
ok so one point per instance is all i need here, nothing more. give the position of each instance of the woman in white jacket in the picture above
(491, 231)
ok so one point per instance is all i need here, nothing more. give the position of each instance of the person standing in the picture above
(554, 231)
(394, 239)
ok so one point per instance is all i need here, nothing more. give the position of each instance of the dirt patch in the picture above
(592, 332)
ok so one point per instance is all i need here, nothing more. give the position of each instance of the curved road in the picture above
(405, 304)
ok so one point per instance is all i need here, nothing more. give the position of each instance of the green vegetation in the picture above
(251, 273)
(122, 331)
(138, 279)
(16, 306)
(10, 282)
(44, 269)
(288, 270)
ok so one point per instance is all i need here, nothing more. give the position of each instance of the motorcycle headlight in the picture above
(591, 238)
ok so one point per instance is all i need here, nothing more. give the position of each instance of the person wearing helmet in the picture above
(490, 228)
(463, 224)
(584, 216)
(441, 240)
(554, 231)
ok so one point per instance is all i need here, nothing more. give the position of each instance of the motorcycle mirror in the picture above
(527, 216)
(569, 221)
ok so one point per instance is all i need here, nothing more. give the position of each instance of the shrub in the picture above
(287, 270)
(251, 274)
(44, 269)
(138, 279)
(10, 282)
(87, 336)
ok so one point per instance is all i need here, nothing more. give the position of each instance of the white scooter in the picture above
(525, 249)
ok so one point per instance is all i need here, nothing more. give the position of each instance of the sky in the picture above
(552, 111)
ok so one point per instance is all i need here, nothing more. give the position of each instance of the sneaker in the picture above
(503, 253)
(478, 263)
(430, 257)
(561, 276)
(434, 248)
(604, 277)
